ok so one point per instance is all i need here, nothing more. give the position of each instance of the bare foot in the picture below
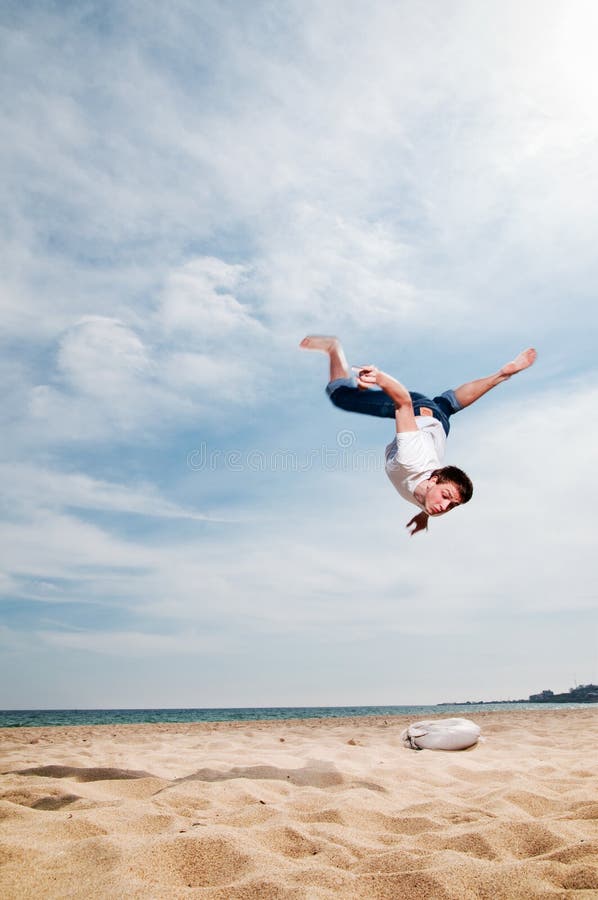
(326, 343)
(522, 361)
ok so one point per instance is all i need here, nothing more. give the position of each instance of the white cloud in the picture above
(324, 269)
(199, 297)
(100, 356)
(111, 380)
(55, 545)
(104, 384)
(209, 380)
(26, 487)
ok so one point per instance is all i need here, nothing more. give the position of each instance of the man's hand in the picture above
(419, 522)
(367, 375)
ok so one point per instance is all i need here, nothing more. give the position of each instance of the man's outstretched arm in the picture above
(404, 415)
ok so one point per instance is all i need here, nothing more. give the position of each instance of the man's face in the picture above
(441, 497)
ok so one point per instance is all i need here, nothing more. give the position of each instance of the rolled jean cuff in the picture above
(452, 400)
(340, 382)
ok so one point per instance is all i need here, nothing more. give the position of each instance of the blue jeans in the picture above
(345, 394)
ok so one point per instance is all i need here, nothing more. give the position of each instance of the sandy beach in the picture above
(301, 809)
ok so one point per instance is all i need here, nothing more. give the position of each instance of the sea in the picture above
(20, 718)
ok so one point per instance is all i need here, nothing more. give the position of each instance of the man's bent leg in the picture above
(339, 367)
(342, 388)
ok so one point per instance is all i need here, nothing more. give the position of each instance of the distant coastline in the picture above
(583, 693)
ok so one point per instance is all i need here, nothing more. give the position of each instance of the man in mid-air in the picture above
(414, 457)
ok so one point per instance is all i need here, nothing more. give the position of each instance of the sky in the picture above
(190, 188)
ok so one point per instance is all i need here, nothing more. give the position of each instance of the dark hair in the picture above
(457, 477)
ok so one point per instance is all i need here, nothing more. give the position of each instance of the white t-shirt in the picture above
(412, 456)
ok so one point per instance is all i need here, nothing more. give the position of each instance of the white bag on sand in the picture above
(441, 734)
